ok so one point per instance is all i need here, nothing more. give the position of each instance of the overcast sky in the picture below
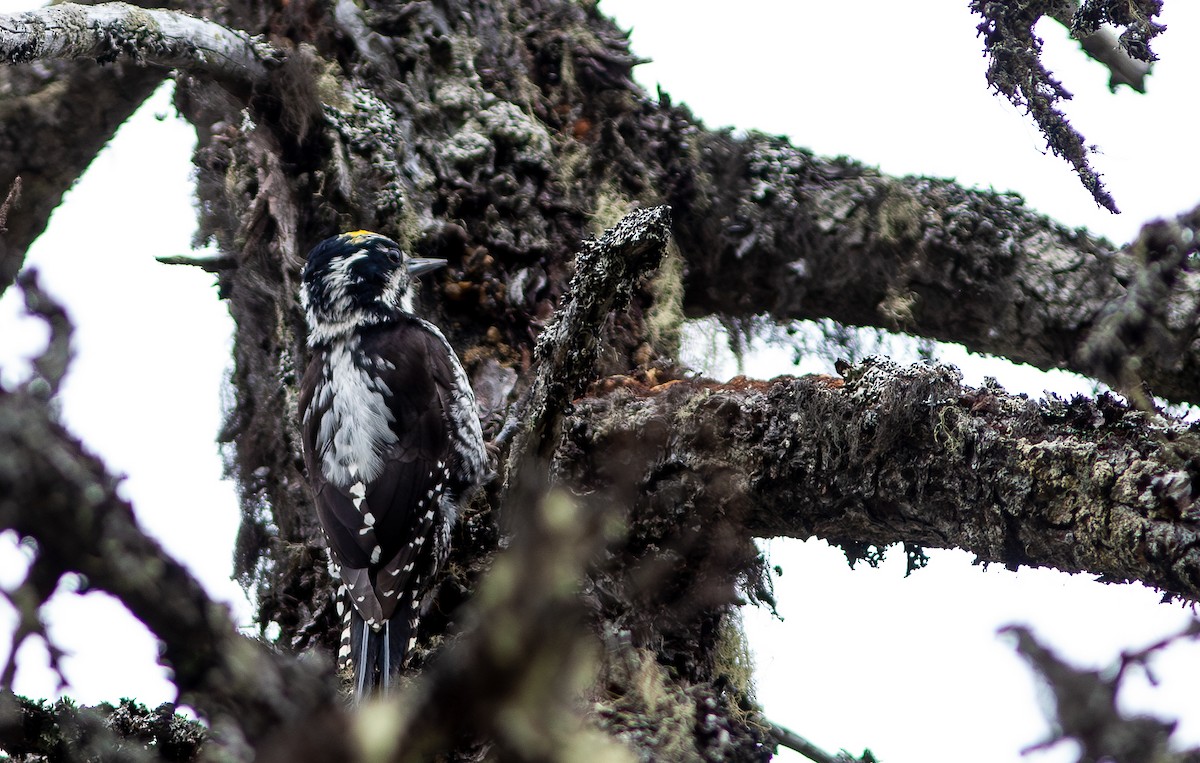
(911, 668)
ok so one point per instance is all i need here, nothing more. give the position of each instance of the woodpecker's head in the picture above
(357, 279)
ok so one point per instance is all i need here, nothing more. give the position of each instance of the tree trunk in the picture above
(498, 135)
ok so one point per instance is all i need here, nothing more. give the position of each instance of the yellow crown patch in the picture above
(356, 236)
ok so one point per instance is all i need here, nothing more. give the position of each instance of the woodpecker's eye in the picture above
(393, 256)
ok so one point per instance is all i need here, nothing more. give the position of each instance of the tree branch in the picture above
(1086, 710)
(1016, 72)
(1103, 46)
(53, 119)
(794, 741)
(768, 228)
(909, 454)
(118, 30)
(52, 490)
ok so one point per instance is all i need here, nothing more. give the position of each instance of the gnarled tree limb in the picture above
(606, 272)
(910, 455)
(770, 229)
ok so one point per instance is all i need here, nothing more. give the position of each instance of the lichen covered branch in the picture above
(909, 454)
(1015, 69)
(770, 229)
(128, 732)
(111, 31)
(606, 271)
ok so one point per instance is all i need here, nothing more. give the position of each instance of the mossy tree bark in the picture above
(499, 134)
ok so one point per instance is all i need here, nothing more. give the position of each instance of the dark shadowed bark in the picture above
(499, 135)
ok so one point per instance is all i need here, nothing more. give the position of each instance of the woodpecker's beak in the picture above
(420, 265)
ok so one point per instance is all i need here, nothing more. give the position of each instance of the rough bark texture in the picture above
(767, 228)
(498, 135)
(895, 455)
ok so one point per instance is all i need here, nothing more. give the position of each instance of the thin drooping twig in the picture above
(118, 30)
(1017, 73)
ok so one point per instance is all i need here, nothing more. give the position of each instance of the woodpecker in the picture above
(392, 443)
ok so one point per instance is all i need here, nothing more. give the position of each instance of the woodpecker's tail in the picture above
(378, 655)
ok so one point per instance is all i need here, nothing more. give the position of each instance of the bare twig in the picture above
(794, 741)
(208, 264)
(1141, 657)
(114, 30)
(10, 201)
(1086, 710)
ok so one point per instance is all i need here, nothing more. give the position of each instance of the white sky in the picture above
(909, 667)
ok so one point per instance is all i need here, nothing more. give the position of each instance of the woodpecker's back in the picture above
(392, 443)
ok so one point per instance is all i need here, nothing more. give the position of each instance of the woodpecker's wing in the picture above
(380, 531)
(420, 370)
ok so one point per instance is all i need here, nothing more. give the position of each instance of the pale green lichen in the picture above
(899, 217)
(665, 318)
(610, 206)
(370, 130)
(328, 83)
(898, 308)
(734, 661)
(645, 710)
(502, 123)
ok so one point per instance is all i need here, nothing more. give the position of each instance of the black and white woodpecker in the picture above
(392, 443)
